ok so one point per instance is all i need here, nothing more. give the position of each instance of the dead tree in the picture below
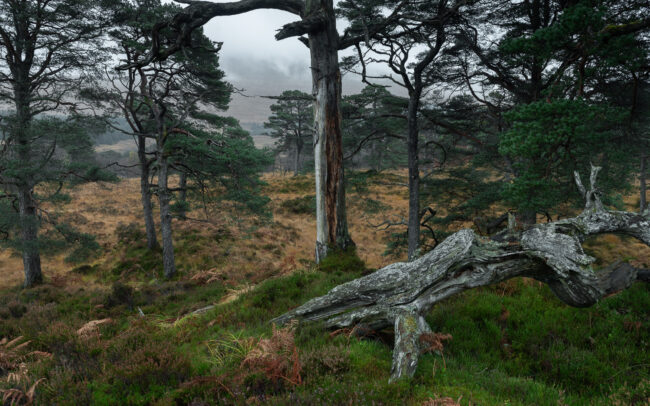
(401, 294)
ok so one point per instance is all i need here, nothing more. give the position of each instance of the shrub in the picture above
(326, 360)
(300, 205)
(131, 232)
(16, 309)
(276, 357)
(120, 294)
(342, 261)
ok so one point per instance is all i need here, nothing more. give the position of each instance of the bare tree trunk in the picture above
(29, 233)
(379, 150)
(145, 195)
(414, 178)
(328, 150)
(400, 294)
(164, 198)
(642, 180)
(320, 171)
(27, 207)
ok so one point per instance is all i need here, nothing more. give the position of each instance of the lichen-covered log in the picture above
(399, 294)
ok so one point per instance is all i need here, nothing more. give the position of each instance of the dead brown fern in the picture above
(445, 401)
(207, 277)
(434, 342)
(13, 354)
(15, 396)
(277, 357)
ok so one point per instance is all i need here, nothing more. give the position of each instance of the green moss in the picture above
(342, 261)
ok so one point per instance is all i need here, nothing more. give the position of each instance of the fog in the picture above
(258, 65)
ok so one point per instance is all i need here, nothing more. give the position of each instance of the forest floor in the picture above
(513, 343)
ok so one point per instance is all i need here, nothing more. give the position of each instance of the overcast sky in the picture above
(254, 61)
(250, 49)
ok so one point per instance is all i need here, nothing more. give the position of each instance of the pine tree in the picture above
(291, 123)
(546, 80)
(47, 48)
(166, 105)
(373, 128)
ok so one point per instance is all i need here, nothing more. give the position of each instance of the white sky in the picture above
(249, 44)
(255, 62)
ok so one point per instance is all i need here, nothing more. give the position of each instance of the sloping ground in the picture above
(513, 343)
(283, 244)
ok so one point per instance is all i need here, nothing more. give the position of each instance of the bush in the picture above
(120, 294)
(326, 360)
(131, 232)
(342, 261)
(300, 205)
(16, 309)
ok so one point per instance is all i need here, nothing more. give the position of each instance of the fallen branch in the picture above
(400, 294)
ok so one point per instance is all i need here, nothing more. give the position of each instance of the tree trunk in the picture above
(29, 233)
(296, 162)
(642, 180)
(27, 206)
(401, 294)
(343, 239)
(164, 198)
(328, 150)
(414, 178)
(145, 195)
(379, 151)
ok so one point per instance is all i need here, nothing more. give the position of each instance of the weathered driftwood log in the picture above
(400, 294)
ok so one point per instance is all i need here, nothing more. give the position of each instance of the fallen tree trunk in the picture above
(400, 294)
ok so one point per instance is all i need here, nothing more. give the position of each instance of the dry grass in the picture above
(255, 252)
(280, 247)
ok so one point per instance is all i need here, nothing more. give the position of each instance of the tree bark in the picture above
(331, 220)
(169, 266)
(29, 233)
(27, 206)
(296, 162)
(343, 239)
(145, 195)
(400, 294)
(414, 177)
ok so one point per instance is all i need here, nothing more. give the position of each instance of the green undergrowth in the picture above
(132, 260)
(338, 260)
(513, 343)
(300, 205)
(296, 184)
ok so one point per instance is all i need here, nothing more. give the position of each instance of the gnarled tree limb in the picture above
(400, 294)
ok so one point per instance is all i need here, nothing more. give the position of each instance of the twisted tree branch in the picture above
(400, 294)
